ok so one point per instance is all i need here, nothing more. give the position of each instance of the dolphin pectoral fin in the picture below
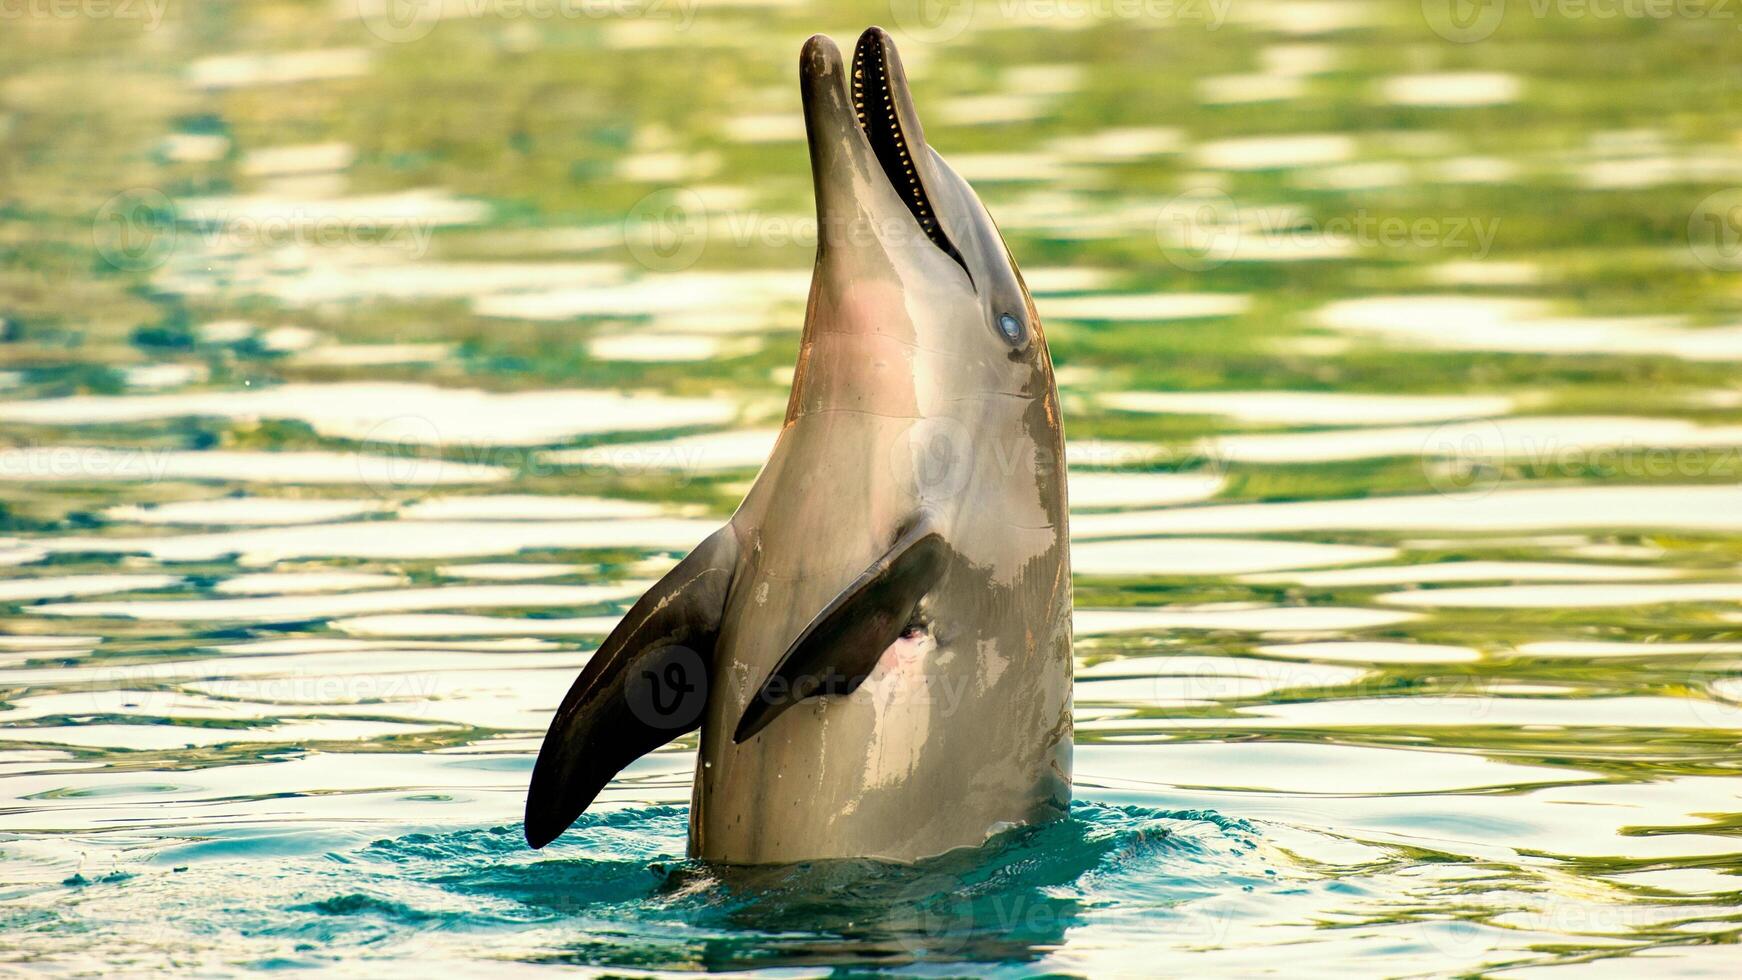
(840, 647)
(646, 685)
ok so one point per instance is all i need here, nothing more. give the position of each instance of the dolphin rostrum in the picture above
(877, 646)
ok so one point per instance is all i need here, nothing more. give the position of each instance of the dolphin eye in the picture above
(1010, 327)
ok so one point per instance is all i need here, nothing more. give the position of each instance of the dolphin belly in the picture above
(956, 734)
(928, 755)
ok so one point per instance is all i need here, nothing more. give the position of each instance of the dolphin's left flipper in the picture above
(841, 646)
(643, 687)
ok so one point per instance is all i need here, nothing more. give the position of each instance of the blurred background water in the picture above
(360, 362)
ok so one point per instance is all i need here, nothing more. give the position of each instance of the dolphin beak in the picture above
(839, 153)
(862, 127)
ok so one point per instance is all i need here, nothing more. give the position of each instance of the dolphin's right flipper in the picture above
(644, 686)
(841, 646)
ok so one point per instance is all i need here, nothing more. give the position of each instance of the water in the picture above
(356, 373)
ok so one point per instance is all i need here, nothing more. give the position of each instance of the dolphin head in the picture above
(905, 248)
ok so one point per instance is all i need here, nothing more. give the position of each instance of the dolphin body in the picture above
(877, 646)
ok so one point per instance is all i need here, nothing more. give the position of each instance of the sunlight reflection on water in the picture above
(353, 388)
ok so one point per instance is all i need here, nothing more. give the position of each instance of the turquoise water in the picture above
(357, 373)
(618, 892)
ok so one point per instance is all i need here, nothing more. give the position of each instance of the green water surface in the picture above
(359, 365)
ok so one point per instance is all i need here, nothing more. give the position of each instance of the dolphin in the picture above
(876, 646)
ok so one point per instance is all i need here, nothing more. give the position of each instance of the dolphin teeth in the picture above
(871, 86)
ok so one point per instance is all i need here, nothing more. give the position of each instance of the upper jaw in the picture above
(864, 132)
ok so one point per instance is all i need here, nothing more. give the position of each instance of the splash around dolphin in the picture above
(877, 645)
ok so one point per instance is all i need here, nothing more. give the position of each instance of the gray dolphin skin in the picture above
(877, 646)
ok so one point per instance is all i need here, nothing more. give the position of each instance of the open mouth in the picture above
(874, 103)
